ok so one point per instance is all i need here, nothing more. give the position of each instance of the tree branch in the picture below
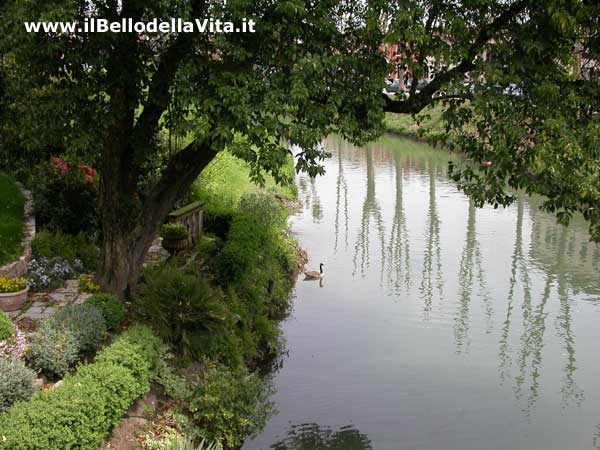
(181, 171)
(158, 97)
(417, 101)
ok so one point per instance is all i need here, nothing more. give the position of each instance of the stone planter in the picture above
(175, 245)
(13, 300)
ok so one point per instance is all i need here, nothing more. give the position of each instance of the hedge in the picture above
(83, 411)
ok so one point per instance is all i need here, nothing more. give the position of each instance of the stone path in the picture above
(18, 268)
(41, 305)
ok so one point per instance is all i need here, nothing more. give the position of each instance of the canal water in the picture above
(437, 325)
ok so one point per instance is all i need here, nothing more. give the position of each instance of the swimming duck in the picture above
(314, 275)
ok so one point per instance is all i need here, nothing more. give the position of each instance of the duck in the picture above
(314, 275)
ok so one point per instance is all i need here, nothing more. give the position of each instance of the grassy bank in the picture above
(11, 219)
(226, 179)
(427, 125)
(219, 308)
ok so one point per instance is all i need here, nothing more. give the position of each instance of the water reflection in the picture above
(394, 259)
(371, 211)
(341, 202)
(439, 322)
(311, 436)
(432, 260)
(398, 248)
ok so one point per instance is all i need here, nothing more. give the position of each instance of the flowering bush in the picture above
(50, 273)
(65, 195)
(87, 285)
(53, 351)
(14, 346)
(9, 285)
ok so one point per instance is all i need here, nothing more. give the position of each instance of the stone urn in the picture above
(13, 301)
(174, 245)
(175, 237)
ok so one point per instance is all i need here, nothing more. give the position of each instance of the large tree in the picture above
(312, 68)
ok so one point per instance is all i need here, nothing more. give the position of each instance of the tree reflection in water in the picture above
(432, 251)
(470, 273)
(370, 211)
(311, 436)
(398, 272)
(341, 191)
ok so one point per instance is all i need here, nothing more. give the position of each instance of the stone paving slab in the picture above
(42, 305)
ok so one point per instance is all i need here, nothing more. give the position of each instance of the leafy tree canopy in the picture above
(521, 84)
(526, 118)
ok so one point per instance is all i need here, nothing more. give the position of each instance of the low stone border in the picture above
(18, 268)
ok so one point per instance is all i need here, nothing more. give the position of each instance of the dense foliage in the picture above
(520, 82)
(111, 308)
(77, 250)
(65, 197)
(11, 220)
(7, 328)
(16, 382)
(183, 308)
(229, 407)
(82, 412)
(52, 351)
(257, 257)
(310, 69)
(222, 405)
(85, 322)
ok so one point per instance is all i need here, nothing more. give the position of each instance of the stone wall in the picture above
(191, 217)
(18, 268)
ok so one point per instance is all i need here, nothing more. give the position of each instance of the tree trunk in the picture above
(123, 256)
(129, 224)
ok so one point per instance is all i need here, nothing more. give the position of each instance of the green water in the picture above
(437, 326)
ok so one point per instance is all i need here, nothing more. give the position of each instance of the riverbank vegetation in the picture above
(89, 112)
(428, 124)
(214, 308)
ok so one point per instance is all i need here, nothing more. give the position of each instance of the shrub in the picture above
(86, 284)
(137, 349)
(50, 273)
(16, 382)
(75, 249)
(65, 196)
(217, 220)
(183, 308)
(257, 262)
(173, 231)
(85, 322)
(14, 346)
(82, 412)
(110, 307)
(52, 351)
(7, 328)
(228, 407)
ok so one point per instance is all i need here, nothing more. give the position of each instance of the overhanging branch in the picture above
(417, 101)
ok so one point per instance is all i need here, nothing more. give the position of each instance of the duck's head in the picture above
(321, 267)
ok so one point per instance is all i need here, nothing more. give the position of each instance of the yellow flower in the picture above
(10, 285)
